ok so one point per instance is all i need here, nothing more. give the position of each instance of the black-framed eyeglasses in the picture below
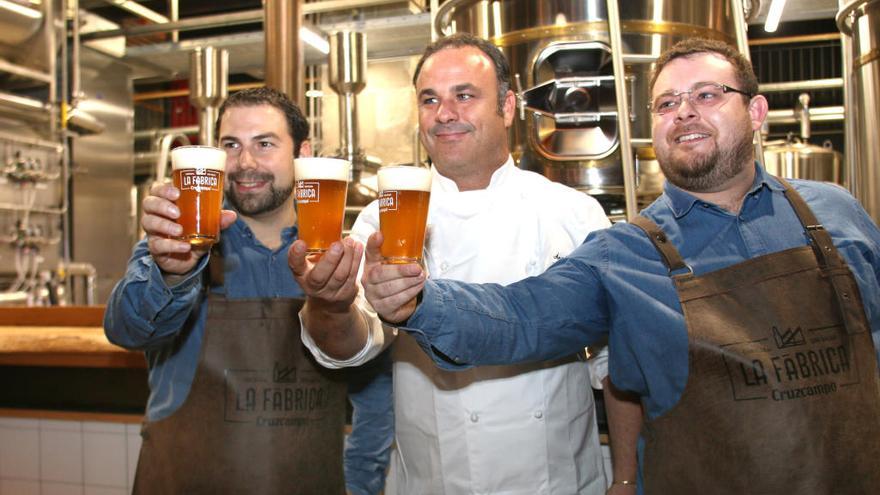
(700, 95)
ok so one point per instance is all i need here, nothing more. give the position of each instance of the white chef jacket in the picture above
(501, 430)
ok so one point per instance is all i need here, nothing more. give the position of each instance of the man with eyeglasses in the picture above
(744, 309)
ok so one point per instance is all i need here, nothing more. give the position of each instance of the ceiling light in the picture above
(773, 16)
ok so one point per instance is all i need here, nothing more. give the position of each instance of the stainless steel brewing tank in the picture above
(793, 159)
(559, 52)
(861, 20)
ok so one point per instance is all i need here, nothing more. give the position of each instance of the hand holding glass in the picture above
(321, 189)
(197, 171)
(404, 195)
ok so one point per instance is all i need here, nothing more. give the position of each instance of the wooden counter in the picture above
(60, 336)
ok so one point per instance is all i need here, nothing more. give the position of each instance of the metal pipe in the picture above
(284, 52)
(10, 68)
(63, 96)
(639, 58)
(807, 38)
(817, 114)
(192, 23)
(803, 115)
(174, 14)
(139, 10)
(813, 84)
(232, 19)
(161, 163)
(624, 125)
(25, 108)
(209, 71)
(347, 67)
(742, 43)
(172, 93)
(75, 75)
(41, 143)
(849, 125)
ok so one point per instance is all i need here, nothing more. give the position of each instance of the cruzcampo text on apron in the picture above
(782, 394)
(261, 416)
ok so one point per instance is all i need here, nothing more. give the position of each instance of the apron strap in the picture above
(671, 257)
(826, 253)
(215, 267)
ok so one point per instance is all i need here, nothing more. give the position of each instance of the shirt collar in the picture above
(681, 201)
(446, 184)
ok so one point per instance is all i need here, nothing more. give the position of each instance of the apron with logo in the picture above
(261, 415)
(783, 395)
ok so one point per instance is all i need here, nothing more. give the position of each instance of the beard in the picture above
(708, 172)
(253, 204)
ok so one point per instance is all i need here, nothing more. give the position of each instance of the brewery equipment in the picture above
(209, 70)
(859, 21)
(347, 67)
(795, 158)
(568, 125)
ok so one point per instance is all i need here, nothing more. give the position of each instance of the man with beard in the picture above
(744, 309)
(236, 405)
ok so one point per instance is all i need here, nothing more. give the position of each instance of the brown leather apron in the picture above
(260, 417)
(783, 395)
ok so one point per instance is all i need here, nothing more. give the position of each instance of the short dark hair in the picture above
(461, 40)
(742, 67)
(297, 125)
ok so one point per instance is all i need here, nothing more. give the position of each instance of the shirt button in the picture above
(475, 417)
(539, 414)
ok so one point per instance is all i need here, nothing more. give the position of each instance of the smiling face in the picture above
(703, 149)
(259, 159)
(460, 123)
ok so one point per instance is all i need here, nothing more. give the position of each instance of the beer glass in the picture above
(197, 171)
(320, 191)
(404, 194)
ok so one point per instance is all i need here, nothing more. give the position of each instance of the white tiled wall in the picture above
(52, 457)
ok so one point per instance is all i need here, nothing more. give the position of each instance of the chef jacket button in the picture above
(475, 417)
(539, 414)
(444, 266)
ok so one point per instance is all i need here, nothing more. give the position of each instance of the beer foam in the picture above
(321, 168)
(198, 157)
(404, 178)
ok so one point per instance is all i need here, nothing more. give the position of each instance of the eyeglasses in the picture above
(704, 95)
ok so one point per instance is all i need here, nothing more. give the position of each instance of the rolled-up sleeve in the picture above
(142, 311)
(545, 317)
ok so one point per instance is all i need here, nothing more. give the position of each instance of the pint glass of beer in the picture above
(321, 188)
(404, 193)
(198, 174)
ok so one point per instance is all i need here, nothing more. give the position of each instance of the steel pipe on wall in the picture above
(284, 55)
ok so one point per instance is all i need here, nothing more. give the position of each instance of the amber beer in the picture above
(198, 174)
(321, 188)
(404, 194)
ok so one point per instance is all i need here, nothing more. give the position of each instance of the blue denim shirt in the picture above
(616, 285)
(167, 323)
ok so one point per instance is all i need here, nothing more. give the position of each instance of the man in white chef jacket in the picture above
(513, 430)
